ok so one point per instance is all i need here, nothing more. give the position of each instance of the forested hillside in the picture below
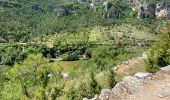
(55, 49)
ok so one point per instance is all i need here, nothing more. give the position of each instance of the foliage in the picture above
(28, 80)
(70, 57)
(94, 86)
(159, 54)
(112, 81)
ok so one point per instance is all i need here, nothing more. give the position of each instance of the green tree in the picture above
(93, 85)
(112, 81)
(159, 54)
(29, 79)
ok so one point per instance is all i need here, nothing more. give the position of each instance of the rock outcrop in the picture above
(107, 5)
(6, 4)
(37, 8)
(147, 11)
(142, 86)
(62, 11)
(81, 1)
(154, 10)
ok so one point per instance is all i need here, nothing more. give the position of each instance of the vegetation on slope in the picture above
(29, 68)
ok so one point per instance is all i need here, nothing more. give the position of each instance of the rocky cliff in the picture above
(154, 10)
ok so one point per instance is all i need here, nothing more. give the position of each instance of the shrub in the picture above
(159, 54)
(112, 81)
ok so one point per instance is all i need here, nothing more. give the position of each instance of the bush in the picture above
(159, 54)
(72, 73)
(112, 81)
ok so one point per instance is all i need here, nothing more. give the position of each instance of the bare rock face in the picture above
(161, 10)
(168, 11)
(151, 11)
(62, 11)
(112, 11)
(147, 11)
(107, 5)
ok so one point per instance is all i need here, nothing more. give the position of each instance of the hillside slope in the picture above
(142, 86)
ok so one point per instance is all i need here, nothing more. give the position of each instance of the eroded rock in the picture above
(141, 75)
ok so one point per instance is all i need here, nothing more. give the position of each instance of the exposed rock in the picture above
(161, 10)
(147, 11)
(105, 94)
(119, 91)
(152, 10)
(140, 87)
(3, 40)
(65, 75)
(141, 75)
(114, 68)
(6, 4)
(62, 11)
(132, 84)
(50, 75)
(96, 97)
(168, 11)
(81, 1)
(37, 8)
(95, 1)
(165, 69)
(163, 94)
(145, 55)
(109, 15)
(107, 5)
(86, 99)
(135, 1)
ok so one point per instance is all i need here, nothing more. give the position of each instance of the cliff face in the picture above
(115, 9)
(151, 10)
(141, 86)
